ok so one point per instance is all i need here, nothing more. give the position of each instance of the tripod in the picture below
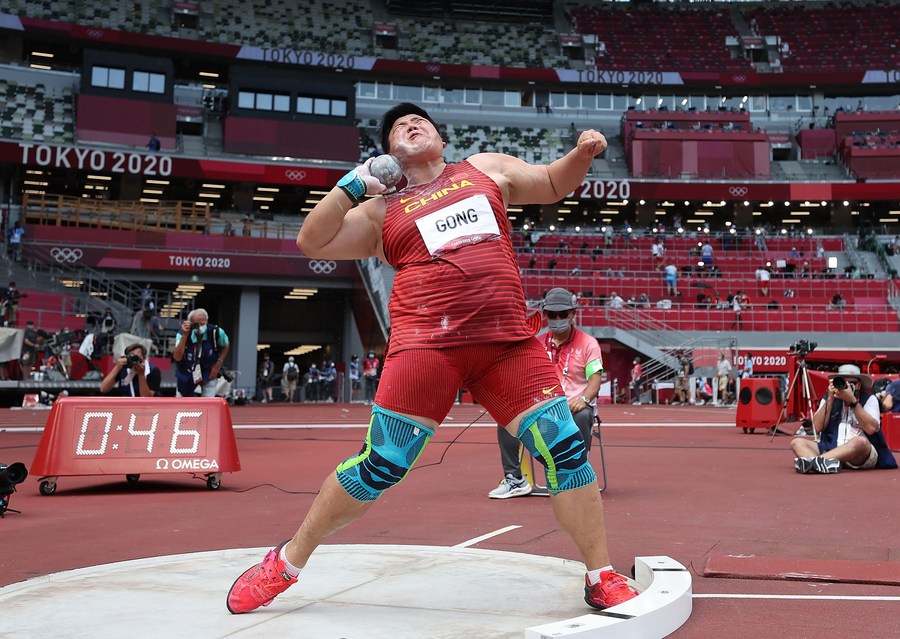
(801, 375)
(4, 506)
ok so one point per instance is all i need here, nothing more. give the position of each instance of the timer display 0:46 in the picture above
(139, 433)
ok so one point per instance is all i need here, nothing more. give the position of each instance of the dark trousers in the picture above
(509, 445)
(371, 387)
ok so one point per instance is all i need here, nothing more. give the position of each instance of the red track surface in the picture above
(696, 493)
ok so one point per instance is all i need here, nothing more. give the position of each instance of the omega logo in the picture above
(322, 267)
(65, 254)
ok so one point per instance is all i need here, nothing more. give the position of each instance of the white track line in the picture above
(483, 425)
(799, 597)
(346, 426)
(476, 540)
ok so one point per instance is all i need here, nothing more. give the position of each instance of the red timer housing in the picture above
(133, 435)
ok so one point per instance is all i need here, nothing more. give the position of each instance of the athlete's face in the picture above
(412, 135)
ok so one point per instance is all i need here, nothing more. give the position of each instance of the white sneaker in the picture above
(511, 487)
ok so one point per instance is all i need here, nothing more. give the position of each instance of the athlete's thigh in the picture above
(515, 376)
(421, 382)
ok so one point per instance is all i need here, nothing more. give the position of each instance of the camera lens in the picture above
(839, 383)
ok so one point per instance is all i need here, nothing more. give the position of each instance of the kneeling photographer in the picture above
(847, 426)
(133, 375)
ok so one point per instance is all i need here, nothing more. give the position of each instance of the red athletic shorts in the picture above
(506, 378)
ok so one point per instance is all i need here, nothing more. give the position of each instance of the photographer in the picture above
(133, 375)
(890, 397)
(847, 426)
(200, 350)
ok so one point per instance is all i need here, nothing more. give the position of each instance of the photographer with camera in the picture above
(847, 426)
(133, 375)
(200, 350)
(890, 397)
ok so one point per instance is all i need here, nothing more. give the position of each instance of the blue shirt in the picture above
(893, 389)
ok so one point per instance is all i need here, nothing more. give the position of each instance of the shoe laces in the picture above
(614, 586)
(272, 581)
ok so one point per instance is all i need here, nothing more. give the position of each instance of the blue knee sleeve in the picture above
(552, 437)
(393, 444)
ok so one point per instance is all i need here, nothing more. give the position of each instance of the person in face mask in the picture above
(200, 350)
(579, 366)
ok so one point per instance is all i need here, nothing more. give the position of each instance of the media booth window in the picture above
(404, 93)
(282, 103)
(304, 104)
(365, 89)
(264, 101)
(246, 100)
(147, 82)
(432, 94)
(322, 106)
(492, 98)
(108, 77)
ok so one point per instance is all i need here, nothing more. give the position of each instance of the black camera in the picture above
(802, 348)
(227, 375)
(195, 326)
(11, 475)
(134, 360)
(839, 383)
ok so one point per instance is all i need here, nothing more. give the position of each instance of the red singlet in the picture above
(457, 280)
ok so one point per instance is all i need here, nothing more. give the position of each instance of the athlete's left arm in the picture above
(524, 183)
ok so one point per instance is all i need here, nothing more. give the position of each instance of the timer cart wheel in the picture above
(132, 479)
(214, 481)
(47, 486)
(749, 430)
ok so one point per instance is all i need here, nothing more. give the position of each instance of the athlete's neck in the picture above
(424, 172)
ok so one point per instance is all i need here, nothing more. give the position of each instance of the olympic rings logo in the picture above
(95, 33)
(65, 254)
(433, 68)
(322, 267)
(294, 175)
(739, 78)
(739, 191)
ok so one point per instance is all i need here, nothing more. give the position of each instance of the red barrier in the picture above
(890, 426)
(129, 436)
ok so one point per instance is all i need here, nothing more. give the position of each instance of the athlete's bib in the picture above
(463, 223)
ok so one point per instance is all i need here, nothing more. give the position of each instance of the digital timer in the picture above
(143, 435)
(130, 436)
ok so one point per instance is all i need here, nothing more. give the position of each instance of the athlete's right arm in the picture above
(336, 229)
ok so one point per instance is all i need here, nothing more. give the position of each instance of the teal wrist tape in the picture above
(353, 186)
